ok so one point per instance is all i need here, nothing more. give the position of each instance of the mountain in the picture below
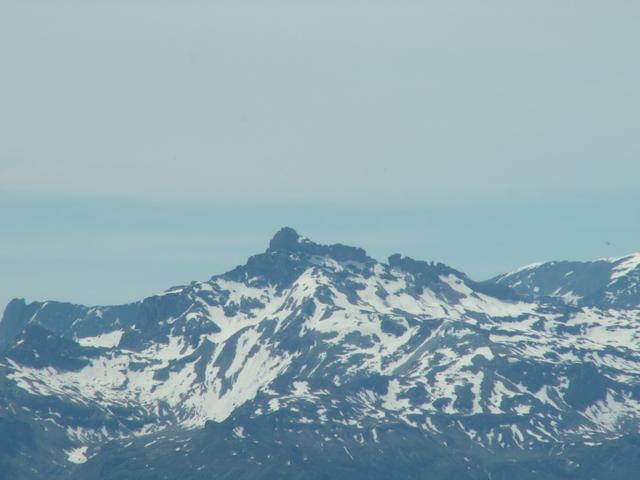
(605, 283)
(317, 361)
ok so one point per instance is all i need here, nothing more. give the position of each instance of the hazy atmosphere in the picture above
(160, 321)
(145, 147)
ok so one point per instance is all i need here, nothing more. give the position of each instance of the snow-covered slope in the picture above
(328, 339)
(608, 282)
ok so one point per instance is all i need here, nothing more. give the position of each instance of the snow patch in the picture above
(105, 340)
(77, 455)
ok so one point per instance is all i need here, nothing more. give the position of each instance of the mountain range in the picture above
(317, 361)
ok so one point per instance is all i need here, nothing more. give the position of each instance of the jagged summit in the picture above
(288, 241)
(289, 254)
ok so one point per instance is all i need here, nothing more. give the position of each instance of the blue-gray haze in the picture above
(144, 144)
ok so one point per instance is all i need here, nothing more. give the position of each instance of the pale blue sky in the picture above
(144, 144)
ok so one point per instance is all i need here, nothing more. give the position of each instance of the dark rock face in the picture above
(587, 386)
(41, 348)
(316, 361)
(15, 435)
(16, 315)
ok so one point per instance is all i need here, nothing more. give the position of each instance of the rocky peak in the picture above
(288, 241)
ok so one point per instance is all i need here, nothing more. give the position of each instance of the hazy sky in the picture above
(149, 143)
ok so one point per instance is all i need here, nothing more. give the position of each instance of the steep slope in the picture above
(320, 354)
